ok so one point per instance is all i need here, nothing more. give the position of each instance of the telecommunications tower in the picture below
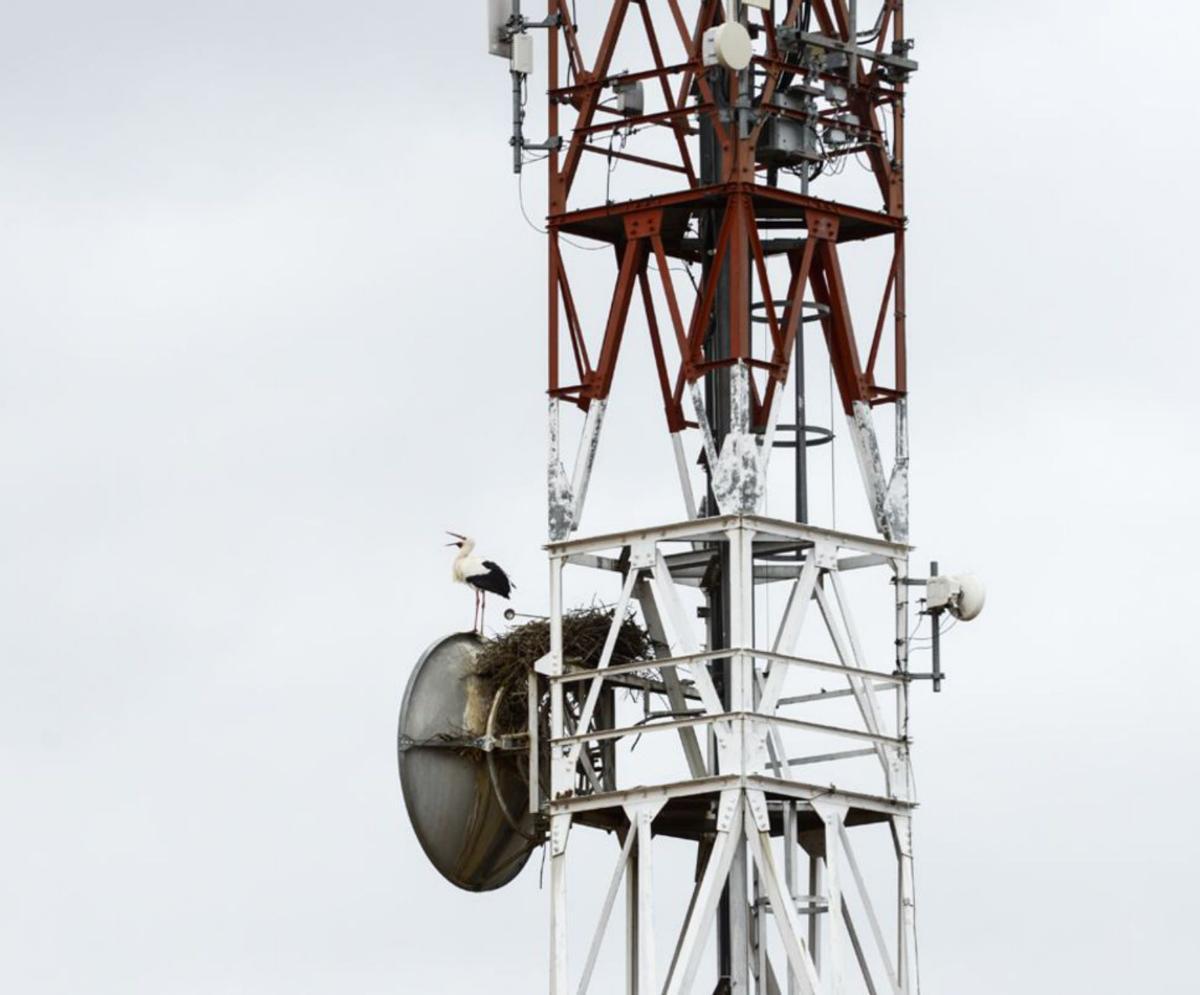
(740, 166)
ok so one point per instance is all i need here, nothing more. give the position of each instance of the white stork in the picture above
(484, 576)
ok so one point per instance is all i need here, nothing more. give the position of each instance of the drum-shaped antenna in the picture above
(470, 815)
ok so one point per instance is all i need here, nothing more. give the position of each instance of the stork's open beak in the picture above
(460, 539)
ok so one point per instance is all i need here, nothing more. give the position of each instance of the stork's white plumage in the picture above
(484, 576)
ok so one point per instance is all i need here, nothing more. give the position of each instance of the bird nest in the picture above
(505, 662)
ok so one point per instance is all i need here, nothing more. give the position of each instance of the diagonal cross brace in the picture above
(610, 643)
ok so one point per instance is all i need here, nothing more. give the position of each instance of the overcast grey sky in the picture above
(261, 260)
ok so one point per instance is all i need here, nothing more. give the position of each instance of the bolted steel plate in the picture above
(450, 794)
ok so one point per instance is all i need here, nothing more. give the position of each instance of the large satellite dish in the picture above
(468, 804)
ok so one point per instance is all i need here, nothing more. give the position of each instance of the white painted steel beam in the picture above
(833, 954)
(713, 529)
(690, 659)
(610, 643)
(906, 901)
(641, 818)
(679, 631)
(789, 632)
(637, 666)
(791, 857)
(676, 695)
(779, 787)
(722, 720)
(864, 896)
(589, 443)
(558, 910)
(864, 697)
(787, 920)
(685, 477)
(859, 955)
(708, 894)
(804, 699)
(757, 783)
(610, 899)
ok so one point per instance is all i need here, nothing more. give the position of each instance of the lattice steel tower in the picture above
(782, 751)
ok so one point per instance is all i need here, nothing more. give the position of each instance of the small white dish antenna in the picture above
(962, 595)
(727, 45)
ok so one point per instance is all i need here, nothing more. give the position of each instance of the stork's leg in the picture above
(475, 624)
(482, 610)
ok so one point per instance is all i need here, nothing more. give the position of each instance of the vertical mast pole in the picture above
(553, 205)
(731, 312)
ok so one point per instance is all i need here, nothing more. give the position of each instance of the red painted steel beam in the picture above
(651, 225)
(568, 94)
(678, 126)
(632, 260)
(592, 97)
(674, 412)
(640, 160)
(877, 222)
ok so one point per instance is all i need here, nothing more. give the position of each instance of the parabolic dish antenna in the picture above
(468, 806)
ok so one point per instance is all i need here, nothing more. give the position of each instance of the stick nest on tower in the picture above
(505, 661)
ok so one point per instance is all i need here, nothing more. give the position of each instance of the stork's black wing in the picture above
(495, 581)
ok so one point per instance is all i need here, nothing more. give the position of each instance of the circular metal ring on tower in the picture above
(469, 809)
(823, 436)
(816, 311)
